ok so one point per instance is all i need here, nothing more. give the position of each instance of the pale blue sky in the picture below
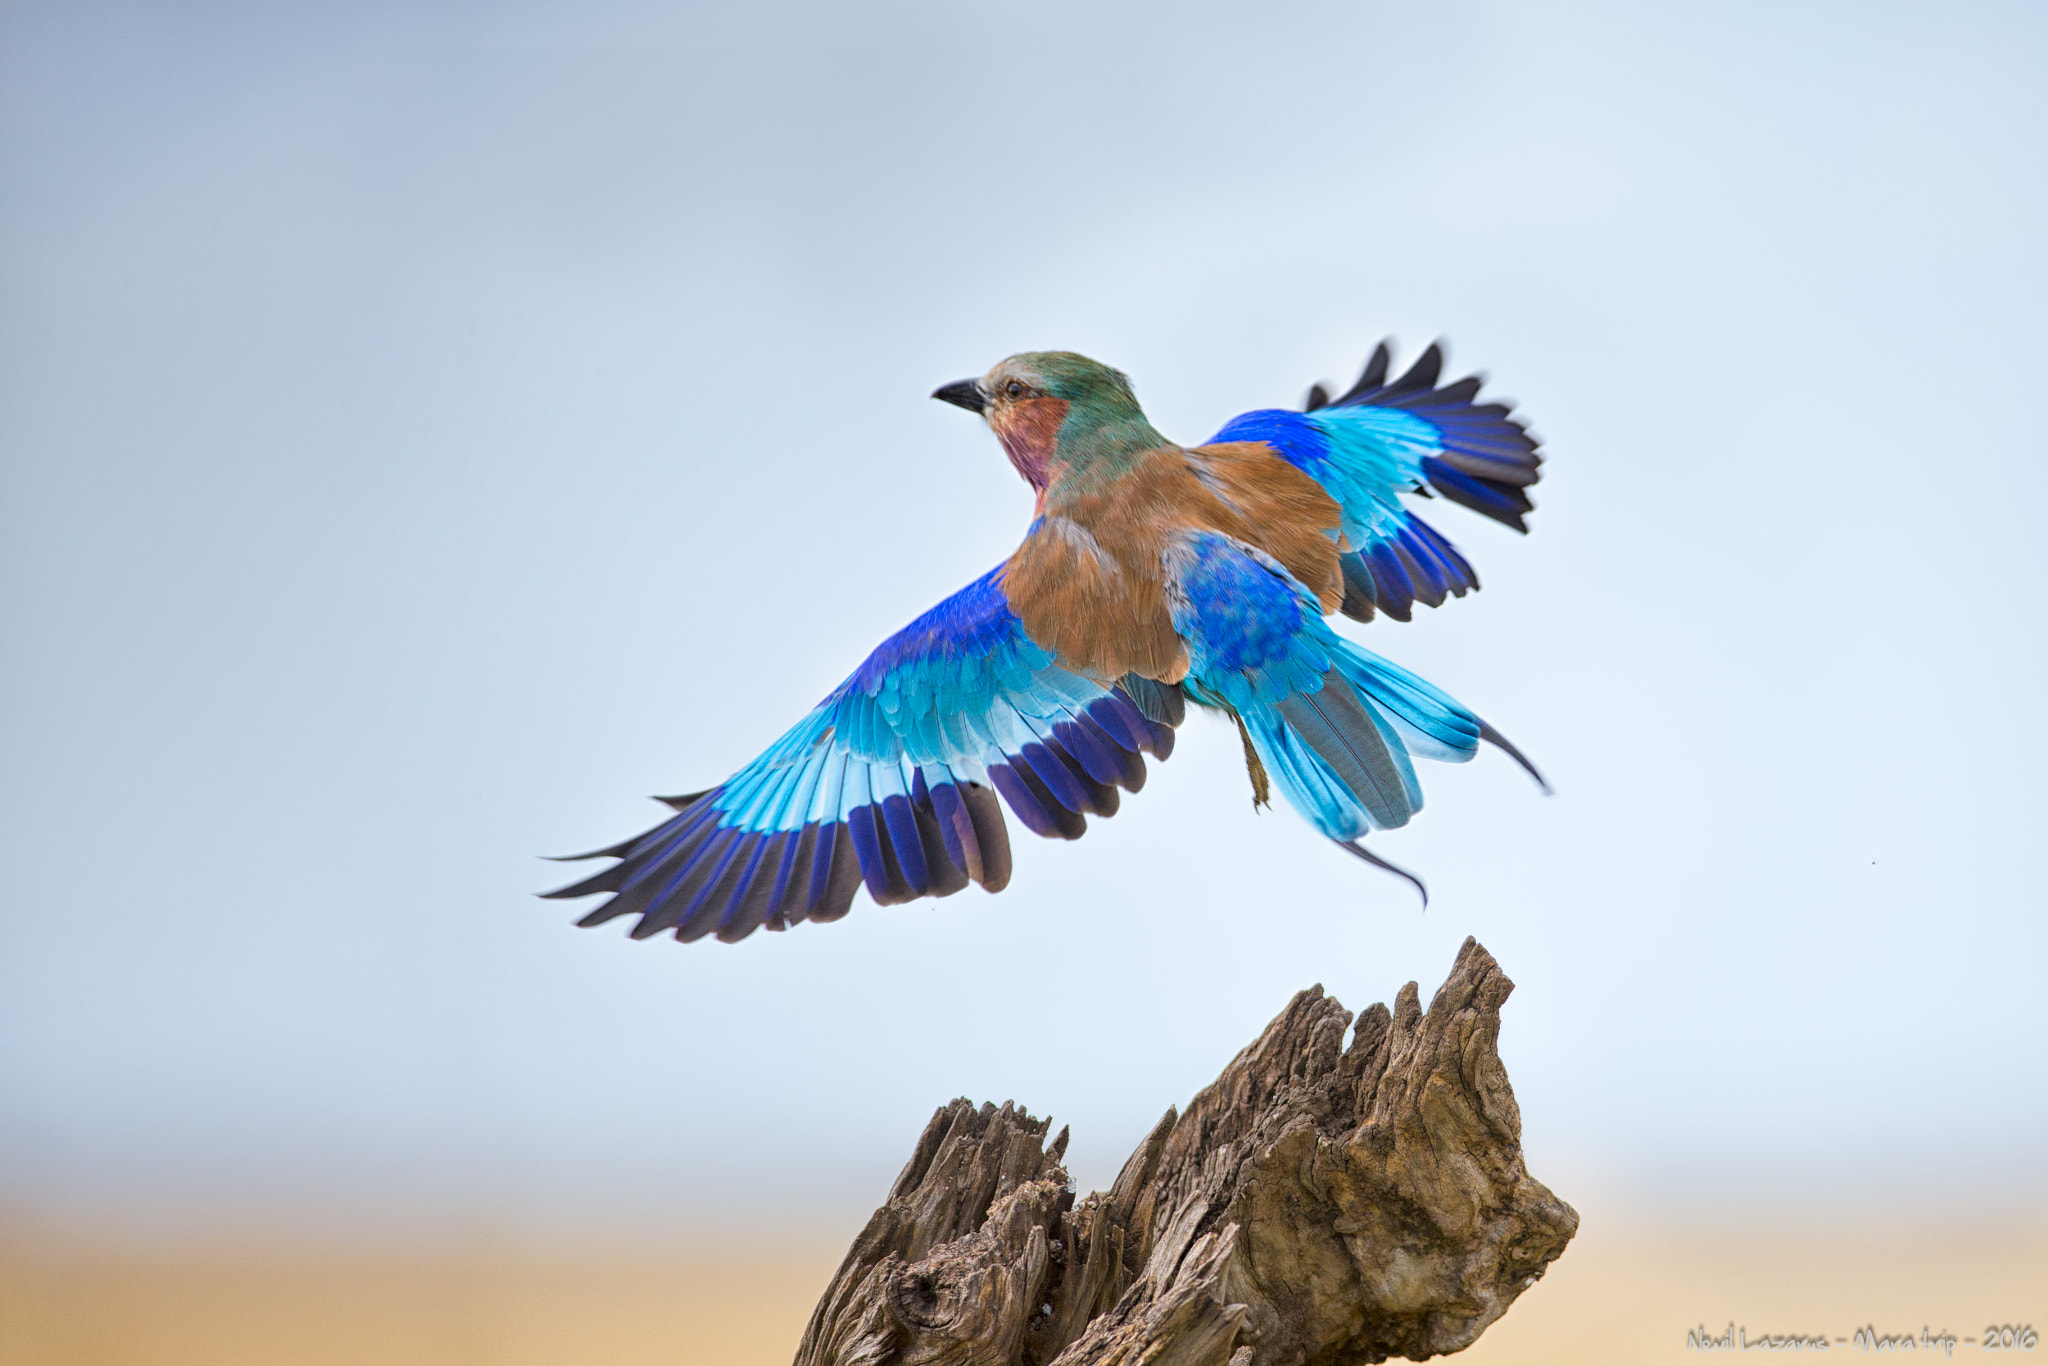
(427, 429)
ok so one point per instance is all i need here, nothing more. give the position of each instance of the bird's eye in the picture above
(1013, 389)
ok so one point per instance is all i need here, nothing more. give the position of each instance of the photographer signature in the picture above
(1997, 1337)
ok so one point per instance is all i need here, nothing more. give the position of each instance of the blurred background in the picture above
(430, 427)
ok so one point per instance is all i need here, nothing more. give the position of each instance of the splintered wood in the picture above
(1316, 1205)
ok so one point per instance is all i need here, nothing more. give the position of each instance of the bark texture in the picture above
(1317, 1205)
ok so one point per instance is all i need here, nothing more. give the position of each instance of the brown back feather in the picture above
(1277, 508)
(1089, 584)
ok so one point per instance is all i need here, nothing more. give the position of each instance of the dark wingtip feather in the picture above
(1358, 850)
(836, 876)
(1361, 595)
(1493, 471)
(1462, 391)
(600, 915)
(678, 803)
(757, 897)
(1393, 590)
(945, 876)
(1504, 503)
(986, 814)
(1431, 588)
(619, 850)
(1374, 374)
(1423, 374)
(610, 880)
(1318, 397)
(1160, 703)
(1506, 746)
(1488, 456)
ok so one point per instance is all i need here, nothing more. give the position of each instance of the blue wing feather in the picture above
(886, 782)
(1382, 440)
(1334, 724)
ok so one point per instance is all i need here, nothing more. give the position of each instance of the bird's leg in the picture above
(1255, 767)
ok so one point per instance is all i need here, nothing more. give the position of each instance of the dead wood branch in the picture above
(1317, 1205)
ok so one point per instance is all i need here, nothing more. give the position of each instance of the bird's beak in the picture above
(962, 393)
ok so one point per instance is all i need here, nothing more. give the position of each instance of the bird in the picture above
(1153, 576)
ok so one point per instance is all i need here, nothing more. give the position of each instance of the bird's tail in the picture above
(1336, 727)
(1343, 751)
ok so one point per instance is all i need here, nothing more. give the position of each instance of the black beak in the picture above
(962, 393)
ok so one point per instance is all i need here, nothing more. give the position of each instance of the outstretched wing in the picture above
(1379, 440)
(890, 781)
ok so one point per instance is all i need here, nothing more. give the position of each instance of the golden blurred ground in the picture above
(77, 1307)
(1619, 1295)
(1627, 1297)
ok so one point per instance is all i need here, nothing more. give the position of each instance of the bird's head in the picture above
(1057, 414)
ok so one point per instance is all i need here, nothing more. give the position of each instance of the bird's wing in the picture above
(1381, 439)
(889, 782)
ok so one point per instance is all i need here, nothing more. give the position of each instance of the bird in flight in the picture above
(1153, 575)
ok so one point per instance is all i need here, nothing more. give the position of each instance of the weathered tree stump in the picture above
(1316, 1205)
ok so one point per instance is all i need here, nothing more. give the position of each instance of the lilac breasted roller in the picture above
(1153, 575)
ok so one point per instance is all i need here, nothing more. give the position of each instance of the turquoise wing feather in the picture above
(1382, 440)
(890, 783)
(1334, 724)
